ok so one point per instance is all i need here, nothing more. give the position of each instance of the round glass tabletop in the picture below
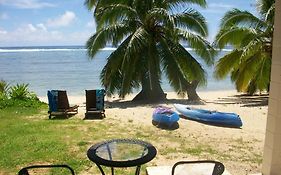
(122, 153)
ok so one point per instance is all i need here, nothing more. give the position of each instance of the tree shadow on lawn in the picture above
(244, 100)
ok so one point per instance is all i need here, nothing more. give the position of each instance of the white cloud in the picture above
(220, 5)
(63, 20)
(91, 24)
(3, 32)
(26, 4)
(31, 28)
(38, 34)
(4, 16)
(41, 26)
(30, 35)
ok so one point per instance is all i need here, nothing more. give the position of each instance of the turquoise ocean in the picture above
(71, 69)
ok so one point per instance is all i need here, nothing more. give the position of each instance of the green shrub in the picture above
(4, 88)
(17, 96)
(19, 91)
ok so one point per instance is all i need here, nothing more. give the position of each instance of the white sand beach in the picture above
(252, 110)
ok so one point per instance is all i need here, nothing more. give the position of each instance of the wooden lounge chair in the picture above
(59, 104)
(95, 103)
(32, 169)
(214, 167)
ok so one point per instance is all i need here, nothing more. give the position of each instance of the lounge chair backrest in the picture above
(63, 102)
(90, 99)
(25, 170)
(95, 99)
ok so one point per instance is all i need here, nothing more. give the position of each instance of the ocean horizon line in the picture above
(65, 48)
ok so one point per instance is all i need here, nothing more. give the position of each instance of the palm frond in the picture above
(113, 33)
(174, 4)
(171, 68)
(90, 3)
(269, 15)
(111, 75)
(242, 18)
(264, 6)
(200, 46)
(190, 67)
(263, 73)
(137, 44)
(227, 64)
(233, 36)
(192, 20)
(247, 71)
(162, 16)
(116, 13)
(253, 47)
(140, 38)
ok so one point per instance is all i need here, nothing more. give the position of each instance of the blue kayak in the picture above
(166, 116)
(207, 116)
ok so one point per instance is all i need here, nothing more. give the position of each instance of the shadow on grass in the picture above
(61, 117)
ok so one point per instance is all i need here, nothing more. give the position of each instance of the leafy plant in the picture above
(251, 36)
(4, 88)
(19, 91)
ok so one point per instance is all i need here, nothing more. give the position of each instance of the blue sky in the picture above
(68, 22)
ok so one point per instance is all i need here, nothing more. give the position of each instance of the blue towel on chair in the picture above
(100, 99)
(53, 100)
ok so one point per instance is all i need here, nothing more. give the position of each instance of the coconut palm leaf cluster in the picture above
(149, 36)
(251, 37)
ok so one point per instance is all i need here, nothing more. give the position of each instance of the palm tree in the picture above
(249, 62)
(148, 37)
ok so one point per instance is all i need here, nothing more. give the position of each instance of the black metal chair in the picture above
(25, 170)
(217, 170)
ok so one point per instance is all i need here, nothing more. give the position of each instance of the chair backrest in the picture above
(53, 100)
(63, 102)
(25, 170)
(95, 99)
(199, 167)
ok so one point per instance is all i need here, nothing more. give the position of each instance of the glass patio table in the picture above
(121, 153)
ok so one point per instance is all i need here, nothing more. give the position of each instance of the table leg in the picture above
(138, 170)
(101, 170)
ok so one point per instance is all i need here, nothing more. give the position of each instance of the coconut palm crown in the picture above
(148, 36)
(251, 37)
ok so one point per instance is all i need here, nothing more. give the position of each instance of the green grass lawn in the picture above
(29, 137)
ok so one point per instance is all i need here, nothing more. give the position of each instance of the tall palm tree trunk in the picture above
(151, 88)
(191, 91)
(150, 92)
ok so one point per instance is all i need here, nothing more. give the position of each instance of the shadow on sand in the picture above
(210, 124)
(174, 126)
(244, 100)
(131, 104)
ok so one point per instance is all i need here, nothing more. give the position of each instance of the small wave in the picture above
(50, 50)
(38, 50)
(109, 48)
(71, 49)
